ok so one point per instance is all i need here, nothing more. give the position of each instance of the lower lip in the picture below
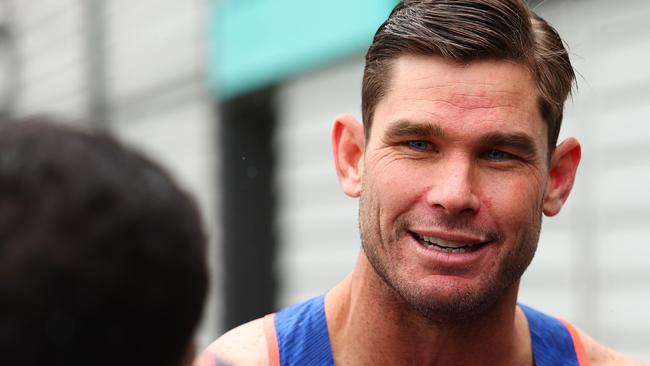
(450, 258)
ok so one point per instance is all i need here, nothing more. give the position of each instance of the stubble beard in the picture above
(466, 305)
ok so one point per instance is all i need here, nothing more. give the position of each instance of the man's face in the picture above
(453, 182)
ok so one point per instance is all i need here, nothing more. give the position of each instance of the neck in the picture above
(371, 324)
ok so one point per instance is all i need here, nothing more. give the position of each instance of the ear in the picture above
(562, 173)
(348, 144)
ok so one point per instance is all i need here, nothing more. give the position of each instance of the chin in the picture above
(454, 299)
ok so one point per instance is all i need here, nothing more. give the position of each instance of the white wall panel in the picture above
(623, 126)
(624, 249)
(152, 43)
(317, 223)
(49, 45)
(623, 185)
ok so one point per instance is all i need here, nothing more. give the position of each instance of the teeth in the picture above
(442, 243)
(445, 245)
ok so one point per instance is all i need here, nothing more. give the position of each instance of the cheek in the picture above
(512, 201)
(396, 189)
(487, 202)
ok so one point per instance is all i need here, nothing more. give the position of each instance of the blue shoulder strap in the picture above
(302, 334)
(551, 341)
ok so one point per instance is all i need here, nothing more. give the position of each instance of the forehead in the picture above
(479, 95)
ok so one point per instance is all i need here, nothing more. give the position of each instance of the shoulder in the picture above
(244, 345)
(600, 355)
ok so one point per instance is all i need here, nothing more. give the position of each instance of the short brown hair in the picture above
(465, 31)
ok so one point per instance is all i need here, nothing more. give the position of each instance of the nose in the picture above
(454, 190)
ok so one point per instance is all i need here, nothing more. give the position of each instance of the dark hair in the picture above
(469, 30)
(102, 256)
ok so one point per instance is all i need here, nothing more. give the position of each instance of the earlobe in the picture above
(347, 145)
(562, 173)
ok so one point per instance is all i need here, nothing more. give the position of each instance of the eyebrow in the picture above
(405, 128)
(521, 142)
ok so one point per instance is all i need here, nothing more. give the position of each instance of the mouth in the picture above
(447, 246)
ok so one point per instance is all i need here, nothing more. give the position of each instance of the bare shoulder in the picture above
(600, 355)
(244, 345)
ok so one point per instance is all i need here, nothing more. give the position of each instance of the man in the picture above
(454, 165)
(102, 255)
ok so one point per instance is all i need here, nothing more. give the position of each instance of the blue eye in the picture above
(420, 145)
(497, 155)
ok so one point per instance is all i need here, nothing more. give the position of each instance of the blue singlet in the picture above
(303, 339)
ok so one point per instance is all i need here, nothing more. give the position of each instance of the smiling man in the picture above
(455, 163)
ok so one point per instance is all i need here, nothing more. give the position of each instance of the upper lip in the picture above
(450, 239)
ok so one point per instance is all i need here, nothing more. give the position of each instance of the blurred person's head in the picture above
(485, 30)
(102, 255)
